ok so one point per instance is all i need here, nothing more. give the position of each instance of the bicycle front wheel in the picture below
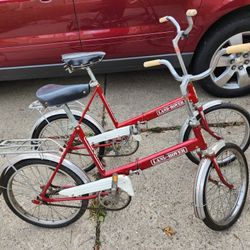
(24, 182)
(230, 121)
(221, 204)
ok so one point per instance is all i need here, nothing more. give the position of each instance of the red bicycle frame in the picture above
(149, 115)
(189, 96)
(140, 164)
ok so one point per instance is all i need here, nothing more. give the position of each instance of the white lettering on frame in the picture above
(170, 108)
(169, 156)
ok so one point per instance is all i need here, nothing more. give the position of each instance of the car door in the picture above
(36, 31)
(128, 28)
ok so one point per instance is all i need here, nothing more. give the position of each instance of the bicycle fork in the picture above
(201, 176)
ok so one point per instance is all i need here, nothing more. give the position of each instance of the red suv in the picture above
(34, 34)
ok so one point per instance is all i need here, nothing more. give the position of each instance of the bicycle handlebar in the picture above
(189, 14)
(180, 34)
(186, 78)
(152, 63)
(158, 62)
(241, 48)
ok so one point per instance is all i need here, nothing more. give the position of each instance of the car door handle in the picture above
(45, 1)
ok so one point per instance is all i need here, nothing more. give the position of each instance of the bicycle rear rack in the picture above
(37, 106)
(9, 149)
(16, 147)
(28, 146)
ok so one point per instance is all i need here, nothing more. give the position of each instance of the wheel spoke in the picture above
(223, 205)
(224, 77)
(223, 61)
(236, 39)
(243, 78)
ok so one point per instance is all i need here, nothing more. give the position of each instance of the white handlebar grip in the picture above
(238, 48)
(163, 19)
(151, 63)
(191, 12)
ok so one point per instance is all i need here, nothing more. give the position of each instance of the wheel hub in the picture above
(239, 61)
(232, 71)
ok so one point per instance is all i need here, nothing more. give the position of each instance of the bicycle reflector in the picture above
(114, 182)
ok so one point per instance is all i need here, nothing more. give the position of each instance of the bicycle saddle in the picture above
(53, 94)
(82, 59)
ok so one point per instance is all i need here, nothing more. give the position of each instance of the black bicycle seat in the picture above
(53, 94)
(82, 59)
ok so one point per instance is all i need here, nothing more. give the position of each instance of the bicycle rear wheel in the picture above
(24, 182)
(230, 121)
(221, 205)
(58, 128)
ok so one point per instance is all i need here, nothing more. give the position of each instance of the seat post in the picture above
(71, 117)
(93, 82)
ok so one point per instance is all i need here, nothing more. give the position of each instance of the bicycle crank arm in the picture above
(123, 183)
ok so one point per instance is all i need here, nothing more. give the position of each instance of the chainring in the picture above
(125, 146)
(114, 201)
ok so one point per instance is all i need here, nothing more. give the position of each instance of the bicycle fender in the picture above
(186, 122)
(60, 112)
(200, 179)
(123, 183)
(50, 157)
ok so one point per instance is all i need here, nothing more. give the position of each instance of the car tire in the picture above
(231, 77)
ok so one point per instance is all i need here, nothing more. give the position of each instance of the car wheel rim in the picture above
(233, 71)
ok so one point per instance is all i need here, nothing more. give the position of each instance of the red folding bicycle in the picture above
(231, 122)
(50, 191)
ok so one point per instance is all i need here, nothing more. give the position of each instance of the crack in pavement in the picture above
(103, 122)
(97, 234)
(97, 245)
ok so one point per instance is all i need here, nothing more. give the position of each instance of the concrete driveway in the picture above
(163, 195)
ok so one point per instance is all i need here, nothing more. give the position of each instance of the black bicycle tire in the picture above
(50, 164)
(208, 220)
(213, 108)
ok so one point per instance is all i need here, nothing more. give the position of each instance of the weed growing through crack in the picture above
(98, 213)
